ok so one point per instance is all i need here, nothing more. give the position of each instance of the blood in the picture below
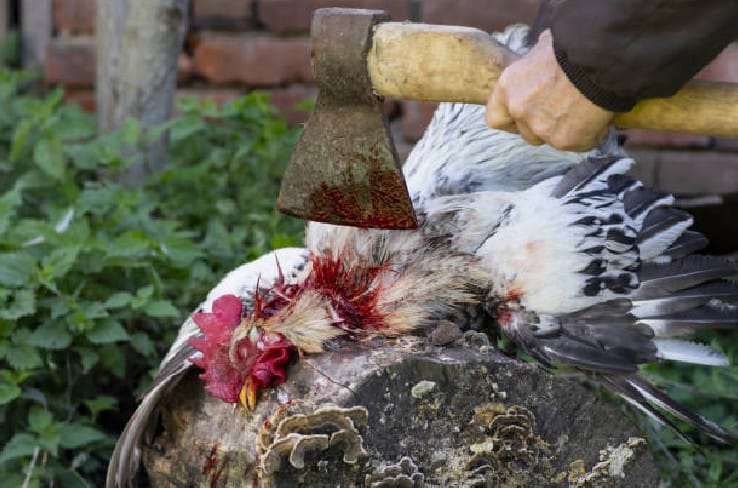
(211, 462)
(384, 206)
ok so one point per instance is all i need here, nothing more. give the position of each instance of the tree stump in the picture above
(401, 413)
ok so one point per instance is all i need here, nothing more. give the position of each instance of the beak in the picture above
(247, 395)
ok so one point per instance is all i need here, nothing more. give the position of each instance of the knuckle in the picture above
(561, 142)
(518, 110)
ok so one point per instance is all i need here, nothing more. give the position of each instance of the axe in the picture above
(344, 169)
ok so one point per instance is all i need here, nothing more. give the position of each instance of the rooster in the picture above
(579, 264)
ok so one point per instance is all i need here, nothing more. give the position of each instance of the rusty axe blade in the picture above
(344, 169)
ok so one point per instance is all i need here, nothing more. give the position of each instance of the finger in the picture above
(497, 115)
(528, 135)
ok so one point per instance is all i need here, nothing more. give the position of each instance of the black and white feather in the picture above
(592, 271)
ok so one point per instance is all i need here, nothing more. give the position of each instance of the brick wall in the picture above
(239, 45)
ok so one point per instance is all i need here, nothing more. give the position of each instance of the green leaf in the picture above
(23, 304)
(101, 404)
(88, 357)
(8, 393)
(143, 344)
(59, 261)
(16, 268)
(144, 293)
(72, 479)
(51, 335)
(161, 309)
(8, 203)
(107, 331)
(19, 139)
(49, 158)
(112, 358)
(74, 436)
(118, 300)
(39, 419)
(20, 445)
(23, 357)
(128, 244)
(180, 250)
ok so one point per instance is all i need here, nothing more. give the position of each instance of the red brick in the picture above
(285, 100)
(185, 67)
(70, 61)
(291, 16)
(253, 60)
(84, 98)
(653, 138)
(415, 118)
(724, 67)
(492, 15)
(693, 172)
(222, 14)
(74, 17)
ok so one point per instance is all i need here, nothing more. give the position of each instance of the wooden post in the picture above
(4, 14)
(138, 45)
(35, 31)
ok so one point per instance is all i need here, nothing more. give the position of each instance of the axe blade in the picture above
(344, 169)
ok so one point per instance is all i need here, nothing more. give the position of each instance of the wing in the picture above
(242, 282)
(593, 271)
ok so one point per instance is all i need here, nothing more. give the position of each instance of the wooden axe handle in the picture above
(462, 64)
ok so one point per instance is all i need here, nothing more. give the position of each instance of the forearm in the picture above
(619, 51)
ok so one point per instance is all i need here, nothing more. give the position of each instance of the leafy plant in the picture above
(96, 278)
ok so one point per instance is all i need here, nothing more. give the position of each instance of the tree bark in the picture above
(138, 45)
(401, 414)
(35, 32)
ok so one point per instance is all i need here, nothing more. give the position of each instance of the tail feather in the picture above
(687, 243)
(126, 458)
(689, 352)
(647, 398)
(639, 201)
(659, 279)
(713, 315)
(661, 228)
(684, 300)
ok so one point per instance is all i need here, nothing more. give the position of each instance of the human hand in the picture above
(534, 98)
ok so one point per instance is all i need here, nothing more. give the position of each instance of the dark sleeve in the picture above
(617, 52)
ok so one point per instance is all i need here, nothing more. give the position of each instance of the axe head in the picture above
(344, 169)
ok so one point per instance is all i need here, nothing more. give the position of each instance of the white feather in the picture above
(242, 280)
(653, 247)
(535, 255)
(689, 352)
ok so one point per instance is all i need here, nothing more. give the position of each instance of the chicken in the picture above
(579, 264)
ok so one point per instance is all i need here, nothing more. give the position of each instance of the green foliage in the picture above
(96, 278)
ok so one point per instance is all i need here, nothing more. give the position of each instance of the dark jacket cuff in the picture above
(604, 98)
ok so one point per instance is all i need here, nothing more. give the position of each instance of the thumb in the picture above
(497, 116)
